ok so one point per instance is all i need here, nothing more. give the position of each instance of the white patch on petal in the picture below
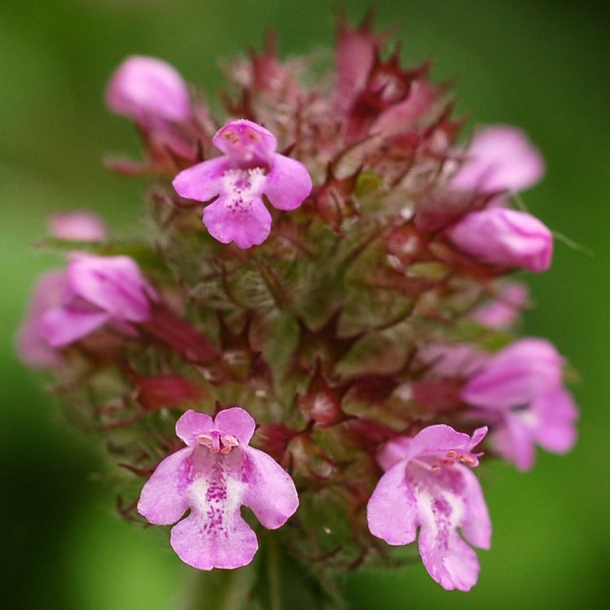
(241, 186)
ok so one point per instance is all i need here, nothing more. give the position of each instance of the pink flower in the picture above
(78, 225)
(503, 237)
(500, 158)
(32, 347)
(146, 89)
(99, 290)
(249, 168)
(522, 386)
(213, 476)
(428, 485)
(503, 311)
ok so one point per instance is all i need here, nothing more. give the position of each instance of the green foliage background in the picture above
(539, 64)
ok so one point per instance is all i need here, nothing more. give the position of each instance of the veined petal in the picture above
(270, 492)
(391, 511)
(163, 499)
(442, 509)
(61, 326)
(214, 535)
(202, 181)
(288, 183)
(248, 224)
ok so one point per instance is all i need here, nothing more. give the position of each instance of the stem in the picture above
(275, 594)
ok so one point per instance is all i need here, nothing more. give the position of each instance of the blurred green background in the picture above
(541, 65)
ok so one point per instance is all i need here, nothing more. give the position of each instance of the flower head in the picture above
(99, 290)
(500, 158)
(213, 476)
(428, 485)
(249, 168)
(503, 237)
(146, 89)
(522, 385)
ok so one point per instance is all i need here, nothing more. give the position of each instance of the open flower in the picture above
(428, 485)
(522, 386)
(249, 168)
(213, 476)
(99, 290)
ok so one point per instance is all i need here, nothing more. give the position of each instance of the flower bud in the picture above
(144, 88)
(503, 237)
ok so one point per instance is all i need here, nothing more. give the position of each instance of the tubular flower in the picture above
(249, 168)
(428, 485)
(522, 385)
(147, 89)
(99, 290)
(506, 238)
(213, 476)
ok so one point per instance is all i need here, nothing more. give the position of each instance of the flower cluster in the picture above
(348, 288)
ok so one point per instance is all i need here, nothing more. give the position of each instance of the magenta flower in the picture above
(213, 476)
(503, 237)
(147, 89)
(99, 290)
(249, 168)
(522, 387)
(78, 225)
(428, 485)
(500, 158)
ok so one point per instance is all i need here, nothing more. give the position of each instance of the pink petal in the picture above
(270, 491)
(61, 326)
(32, 347)
(247, 226)
(288, 183)
(191, 424)
(517, 375)
(203, 181)
(114, 284)
(442, 507)
(558, 414)
(392, 509)
(214, 535)
(500, 158)
(476, 524)
(515, 440)
(164, 497)
(247, 144)
(210, 541)
(236, 422)
(439, 439)
(503, 311)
